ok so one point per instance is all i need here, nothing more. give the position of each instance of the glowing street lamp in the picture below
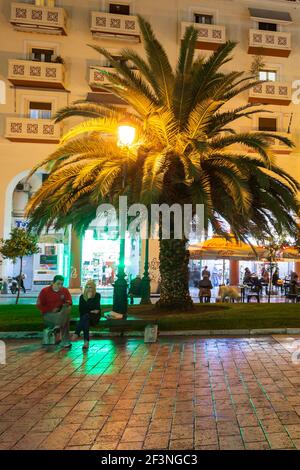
(126, 136)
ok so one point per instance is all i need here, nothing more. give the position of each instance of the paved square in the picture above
(181, 393)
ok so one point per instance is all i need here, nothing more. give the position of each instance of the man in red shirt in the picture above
(55, 302)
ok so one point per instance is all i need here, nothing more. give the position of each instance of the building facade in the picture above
(46, 63)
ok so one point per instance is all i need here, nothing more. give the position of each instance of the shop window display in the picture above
(219, 271)
(100, 257)
(102, 271)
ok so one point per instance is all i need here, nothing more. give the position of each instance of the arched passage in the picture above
(8, 202)
(53, 257)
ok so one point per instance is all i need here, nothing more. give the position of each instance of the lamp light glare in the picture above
(126, 135)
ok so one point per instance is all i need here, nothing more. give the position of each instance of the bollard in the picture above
(150, 335)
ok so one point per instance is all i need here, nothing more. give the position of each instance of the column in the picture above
(75, 262)
(234, 272)
(297, 267)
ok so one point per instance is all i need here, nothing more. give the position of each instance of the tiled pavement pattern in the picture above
(181, 393)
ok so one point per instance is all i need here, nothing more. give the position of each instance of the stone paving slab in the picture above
(179, 394)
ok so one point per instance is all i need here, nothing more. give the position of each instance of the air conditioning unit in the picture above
(25, 187)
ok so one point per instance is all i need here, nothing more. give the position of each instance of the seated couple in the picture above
(55, 303)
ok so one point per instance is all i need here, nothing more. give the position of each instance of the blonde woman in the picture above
(89, 310)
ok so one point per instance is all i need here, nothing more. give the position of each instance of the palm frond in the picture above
(200, 119)
(128, 75)
(106, 126)
(158, 61)
(182, 80)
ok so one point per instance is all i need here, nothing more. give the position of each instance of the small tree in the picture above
(21, 243)
(273, 245)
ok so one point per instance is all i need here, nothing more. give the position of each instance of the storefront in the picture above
(219, 271)
(52, 259)
(227, 260)
(285, 268)
(100, 257)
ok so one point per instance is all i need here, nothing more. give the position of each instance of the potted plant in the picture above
(59, 60)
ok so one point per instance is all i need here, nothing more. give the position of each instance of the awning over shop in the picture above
(220, 248)
(291, 254)
(288, 254)
(270, 15)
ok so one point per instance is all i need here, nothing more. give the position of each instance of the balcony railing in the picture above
(98, 77)
(32, 130)
(270, 43)
(210, 36)
(271, 93)
(37, 74)
(276, 146)
(27, 17)
(279, 147)
(109, 25)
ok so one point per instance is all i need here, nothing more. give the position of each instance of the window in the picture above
(39, 110)
(2, 92)
(267, 124)
(119, 59)
(269, 75)
(267, 26)
(44, 3)
(119, 9)
(204, 19)
(41, 55)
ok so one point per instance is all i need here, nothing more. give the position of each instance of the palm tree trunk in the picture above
(19, 280)
(174, 272)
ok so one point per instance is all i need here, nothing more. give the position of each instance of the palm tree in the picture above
(186, 151)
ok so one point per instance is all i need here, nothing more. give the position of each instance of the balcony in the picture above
(32, 130)
(271, 93)
(40, 19)
(98, 77)
(269, 43)
(210, 36)
(112, 26)
(36, 74)
(278, 148)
